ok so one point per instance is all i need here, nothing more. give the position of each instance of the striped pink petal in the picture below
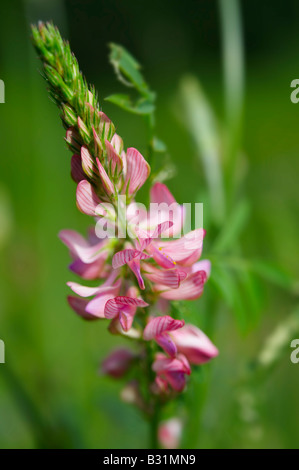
(167, 207)
(72, 239)
(77, 172)
(96, 306)
(167, 343)
(89, 271)
(117, 143)
(202, 265)
(185, 250)
(172, 370)
(105, 125)
(166, 364)
(108, 186)
(87, 200)
(147, 239)
(138, 171)
(98, 147)
(190, 289)
(81, 249)
(158, 325)
(125, 256)
(114, 306)
(134, 265)
(126, 319)
(170, 277)
(194, 344)
(79, 306)
(160, 193)
(161, 258)
(87, 162)
(118, 362)
(114, 160)
(73, 139)
(85, 291)
(124, 160)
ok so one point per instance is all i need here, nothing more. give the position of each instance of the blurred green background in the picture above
(50, 393)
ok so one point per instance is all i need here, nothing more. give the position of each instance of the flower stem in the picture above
(154, 424)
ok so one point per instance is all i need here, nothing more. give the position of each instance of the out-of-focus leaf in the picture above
(252, 295)
(143, 106)
(127, 68)
(275, 274)
(228, 286)
(199, 119)
(230, 233)
(159, 146)
(5, 216)
(165, 173)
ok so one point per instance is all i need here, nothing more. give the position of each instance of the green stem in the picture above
(154, 425)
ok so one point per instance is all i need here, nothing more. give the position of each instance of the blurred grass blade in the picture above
(233, 227)
(228, 286)
(233, 65)
(201, 123)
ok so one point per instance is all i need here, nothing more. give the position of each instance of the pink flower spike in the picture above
(77, 172)
(194, 344)
(118, 362)
(87, 200)
(138, 171)
(158, 329)
(109, 188)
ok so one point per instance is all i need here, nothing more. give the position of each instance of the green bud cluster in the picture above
(77, 100)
